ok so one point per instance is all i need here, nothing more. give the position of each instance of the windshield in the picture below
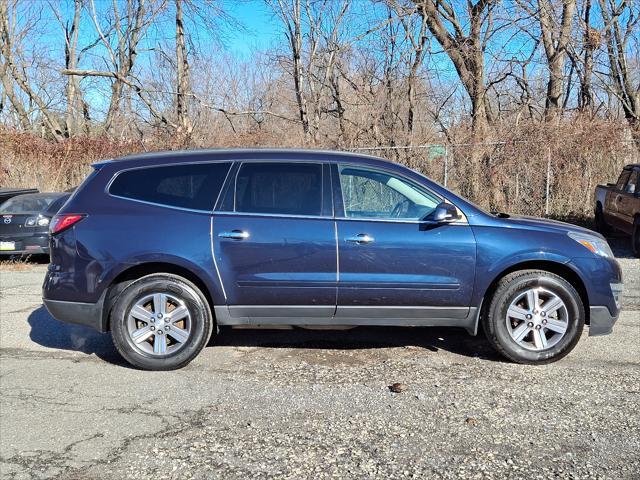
(28, 203)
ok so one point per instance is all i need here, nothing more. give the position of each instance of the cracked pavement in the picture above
(313, 404)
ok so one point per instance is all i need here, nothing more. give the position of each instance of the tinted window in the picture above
(622, 179)
(375, 194)
(29, 203)
(279, 188)
(57, 204)
(188, 186)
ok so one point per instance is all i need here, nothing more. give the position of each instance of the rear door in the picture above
(392, 266)
(274, 244)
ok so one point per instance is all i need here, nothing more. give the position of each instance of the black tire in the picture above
(178, 287)
(601, 224)
(509, 288)
(635, 237)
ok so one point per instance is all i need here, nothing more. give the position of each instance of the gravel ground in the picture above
(313, 404)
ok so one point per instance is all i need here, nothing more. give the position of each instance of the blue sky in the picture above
(261, 27)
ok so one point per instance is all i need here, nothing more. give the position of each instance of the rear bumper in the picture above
(87, 314)
(26, 244)
(601, 321)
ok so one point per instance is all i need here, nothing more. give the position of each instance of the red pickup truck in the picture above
(618, 205)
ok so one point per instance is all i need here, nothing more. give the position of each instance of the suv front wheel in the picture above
(161, 322)
(534, 317)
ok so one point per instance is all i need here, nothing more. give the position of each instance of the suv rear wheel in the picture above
(534, 317)
(161, 322)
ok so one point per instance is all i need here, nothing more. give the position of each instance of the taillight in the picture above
(60, 223)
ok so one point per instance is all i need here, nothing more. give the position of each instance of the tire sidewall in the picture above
(172, 285)
(635, 238)
(559, 287)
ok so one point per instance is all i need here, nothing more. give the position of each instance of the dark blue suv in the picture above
(161, 249)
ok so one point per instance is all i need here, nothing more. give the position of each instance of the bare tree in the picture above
(12, 72)
(556, 35)
(464, 40)
(182, 74)
(621, 20)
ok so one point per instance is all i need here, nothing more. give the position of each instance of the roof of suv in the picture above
(177, 156)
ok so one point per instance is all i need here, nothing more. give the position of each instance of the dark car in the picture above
(161, 249)
(7, 193)
(24, 224)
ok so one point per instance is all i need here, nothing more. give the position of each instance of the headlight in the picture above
(43, 221)
(593, 244)
(31, 222)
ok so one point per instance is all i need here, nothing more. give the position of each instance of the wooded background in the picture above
(525, 104)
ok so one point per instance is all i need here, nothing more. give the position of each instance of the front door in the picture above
(614, 199)
(391, 265)
(276, 252)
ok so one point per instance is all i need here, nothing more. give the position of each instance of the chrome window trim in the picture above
(274, 215)
(462, 221)
(164, 205)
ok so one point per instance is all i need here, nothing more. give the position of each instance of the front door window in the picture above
(369, 193)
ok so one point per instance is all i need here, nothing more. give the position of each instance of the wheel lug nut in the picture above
(159, 315)
(529, 316)
(543, 313)
(538, 327)
(152, 327)
(544, 322)
(166, 327)
(153, 320)
(530, 324)
(159, 332)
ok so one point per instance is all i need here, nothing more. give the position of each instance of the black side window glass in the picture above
(194, 186)
(279, 188)
(632, 184)
(622, 179)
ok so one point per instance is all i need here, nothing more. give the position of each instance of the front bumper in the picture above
(601, 321)
(87, 314)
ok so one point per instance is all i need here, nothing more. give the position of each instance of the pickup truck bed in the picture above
(617, 205)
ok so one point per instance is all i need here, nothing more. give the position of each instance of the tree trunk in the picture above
(74, 103)
(182, 73)
(555, 47)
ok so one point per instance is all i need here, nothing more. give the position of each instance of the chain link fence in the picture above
(530, 178)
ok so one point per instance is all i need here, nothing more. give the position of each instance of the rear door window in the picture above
(194, 186)
(285, 188)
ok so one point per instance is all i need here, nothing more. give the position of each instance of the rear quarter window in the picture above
(193, 186)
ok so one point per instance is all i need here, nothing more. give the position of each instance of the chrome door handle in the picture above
(361, 238)
(234, 235)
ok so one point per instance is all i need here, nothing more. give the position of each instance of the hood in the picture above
(546, 225)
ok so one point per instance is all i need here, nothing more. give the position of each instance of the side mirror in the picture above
(444, 213)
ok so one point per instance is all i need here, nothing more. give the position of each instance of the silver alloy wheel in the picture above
(159, 324)
(537, 319)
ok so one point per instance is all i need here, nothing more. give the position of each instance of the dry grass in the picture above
(23, 264)
(510, 164)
